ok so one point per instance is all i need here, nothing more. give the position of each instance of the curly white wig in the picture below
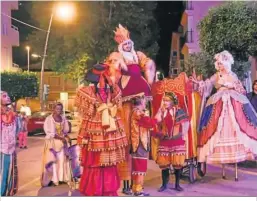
(225, 58)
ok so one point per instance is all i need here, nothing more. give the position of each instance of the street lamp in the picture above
(64, 11)
(28, 48)
(36, 56)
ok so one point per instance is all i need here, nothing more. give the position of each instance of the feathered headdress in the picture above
(121, 34)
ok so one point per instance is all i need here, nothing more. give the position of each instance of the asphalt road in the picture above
(29, 164)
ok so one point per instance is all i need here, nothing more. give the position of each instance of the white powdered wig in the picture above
(225, 58)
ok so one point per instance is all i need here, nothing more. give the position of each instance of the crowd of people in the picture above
(116, 129)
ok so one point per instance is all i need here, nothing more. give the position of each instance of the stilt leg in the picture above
(223, 171)
(236, 179)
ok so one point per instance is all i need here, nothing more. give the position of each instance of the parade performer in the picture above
(9, 131)
(140, 124)
(101, 135)
(55, 164)
(132, 84)
(228, 127)
(172, 133)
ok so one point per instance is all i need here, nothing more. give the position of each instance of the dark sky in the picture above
(168, 14)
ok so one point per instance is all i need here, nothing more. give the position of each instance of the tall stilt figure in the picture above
(101, 135)
(228, 126)
(132, 84)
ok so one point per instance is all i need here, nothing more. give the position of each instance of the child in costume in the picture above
(140, 125)
(172, 132)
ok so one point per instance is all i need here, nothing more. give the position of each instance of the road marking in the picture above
(27, 184)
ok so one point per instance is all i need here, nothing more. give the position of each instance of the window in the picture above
(175, 53)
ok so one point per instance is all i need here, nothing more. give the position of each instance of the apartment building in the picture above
(9, 36)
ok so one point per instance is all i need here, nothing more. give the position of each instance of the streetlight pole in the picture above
(28, 48)
(43, 66)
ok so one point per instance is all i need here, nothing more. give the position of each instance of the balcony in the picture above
(189, 36)
(14, 35)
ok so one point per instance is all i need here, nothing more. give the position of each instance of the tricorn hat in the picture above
(99, 74)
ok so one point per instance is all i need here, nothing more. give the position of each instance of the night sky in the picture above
(168, 15)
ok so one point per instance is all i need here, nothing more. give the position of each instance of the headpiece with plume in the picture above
(121, 37)
(121, 34)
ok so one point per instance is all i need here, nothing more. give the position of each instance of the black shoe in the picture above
(62, 182)
(162, 188)
(25, 147)
(141, 194)
(179, 188)
(177, 179)
(52, 184)
(165, 180)
(127, 191)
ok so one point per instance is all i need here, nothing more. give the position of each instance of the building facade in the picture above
(186, 40)
(194, 12)
(9, 36)
(57, 84)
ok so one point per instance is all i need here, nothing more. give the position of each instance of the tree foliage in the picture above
(231, 26)
(201, 62)
(19, 85)
(91, 32)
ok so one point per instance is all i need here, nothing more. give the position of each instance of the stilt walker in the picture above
(228, 126)
(101, 136)
(132, 84)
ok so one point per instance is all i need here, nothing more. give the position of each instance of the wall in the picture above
(9, 35)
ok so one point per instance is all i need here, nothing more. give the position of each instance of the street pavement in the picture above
(29, 164)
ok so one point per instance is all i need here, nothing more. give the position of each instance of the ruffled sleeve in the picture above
(205, 87)
(49, 127)
(86, 101)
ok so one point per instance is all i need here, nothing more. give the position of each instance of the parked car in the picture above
(37, 119)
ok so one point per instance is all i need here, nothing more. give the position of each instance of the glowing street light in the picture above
(64, 11)
(36, 56)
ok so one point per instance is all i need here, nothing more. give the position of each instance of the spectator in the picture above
(252, 96)
(26, 109)
(23, 130)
